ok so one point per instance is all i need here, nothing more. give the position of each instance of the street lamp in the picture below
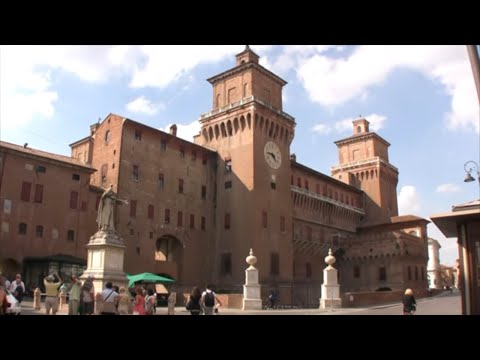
(469, 177)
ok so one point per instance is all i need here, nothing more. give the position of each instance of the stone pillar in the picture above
(106, 252)
(37, 299)
(330, 289)
(172, 299)
(252, 299)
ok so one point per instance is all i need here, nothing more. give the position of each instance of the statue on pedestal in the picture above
(105, 216)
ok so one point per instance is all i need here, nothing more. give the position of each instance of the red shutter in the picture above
(151, 211)
(38, 193)
(26, 188)
(180, 219)
(73, 199)
(133, 208)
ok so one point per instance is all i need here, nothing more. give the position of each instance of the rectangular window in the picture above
(22, 228)
(167, 216)
(41, 169)
(73, 199)
(138, 135)
(192, 221)
(204, 159)
(76, 177)
(274, 264)
(416, 272)
(382, 274)
(356, 272)
(163, 144)
(317, 188)
(180, 219)
(38, 193)
(194, 155)
(71, 235)
(161, 180)
(103, 172)
(227, 221)
(135, 172)
(39, 231)
(203, 222)
(228, 184)
(273, 185)
(422, 273)
(299, 182)
(264, 219)
(182, 152)
(409, 271)
(204, 192)
(133, 208)
(26, 188)
(151, 211)
(282, 223)
(180, 186)
(226, 264)
(83, 207)
(306, 185)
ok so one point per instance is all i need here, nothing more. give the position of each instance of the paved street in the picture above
(443, 304)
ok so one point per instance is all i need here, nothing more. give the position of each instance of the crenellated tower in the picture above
(252, 136)
(364, 164)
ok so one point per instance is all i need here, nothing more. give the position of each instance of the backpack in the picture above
(209, 299)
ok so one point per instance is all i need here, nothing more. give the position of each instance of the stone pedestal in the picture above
(330, 289)
(106, 252)
(252, 299)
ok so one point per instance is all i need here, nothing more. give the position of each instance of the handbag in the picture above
(109, 307)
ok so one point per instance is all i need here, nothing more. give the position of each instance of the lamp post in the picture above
(469, 177)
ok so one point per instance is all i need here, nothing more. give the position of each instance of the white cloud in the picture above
(142, 105)
(334, 81)
(27, 87)
(408, 200)
(322, 129)
(376, 123)
(448, 188)
(186, 132)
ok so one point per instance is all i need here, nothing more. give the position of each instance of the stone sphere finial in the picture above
(330, 259)
(251, 259)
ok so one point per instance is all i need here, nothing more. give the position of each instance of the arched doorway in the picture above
(169, 256)
(10, 267)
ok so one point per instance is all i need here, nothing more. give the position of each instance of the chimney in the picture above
(173, 130)
(293, 157)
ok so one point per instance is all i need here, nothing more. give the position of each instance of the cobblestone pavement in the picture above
(443, 304)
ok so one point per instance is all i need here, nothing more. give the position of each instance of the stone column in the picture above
(330, 289)
(251, 290)
(106, 252)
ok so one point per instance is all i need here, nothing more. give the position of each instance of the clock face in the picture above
(273, 156)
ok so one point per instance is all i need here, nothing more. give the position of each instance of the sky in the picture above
(421, 99)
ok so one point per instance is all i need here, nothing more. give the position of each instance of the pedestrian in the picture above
(52, 282)
(409, 303)
(193, 302)
(209, 299)
(74, 295)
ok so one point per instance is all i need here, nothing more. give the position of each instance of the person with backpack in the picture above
(208, 300)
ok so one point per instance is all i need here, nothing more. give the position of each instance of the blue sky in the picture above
(421, 99)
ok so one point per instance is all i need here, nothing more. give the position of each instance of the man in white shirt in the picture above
(17, 288)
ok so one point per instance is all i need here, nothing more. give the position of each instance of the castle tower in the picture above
(252, 136)
(364, 164)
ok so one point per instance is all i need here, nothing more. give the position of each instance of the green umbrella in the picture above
(147, 277)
